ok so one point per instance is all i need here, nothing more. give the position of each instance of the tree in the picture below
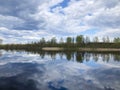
(95, 39)
(106, 39)
(116, 40)
(103, 39)
(61, 41)
(42, 41)
(53, 40)
(87, 39)
(79, 39)
(1, 41)
(69, 40)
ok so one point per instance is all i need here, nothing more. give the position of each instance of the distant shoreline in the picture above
(88, 47)
(79, 49)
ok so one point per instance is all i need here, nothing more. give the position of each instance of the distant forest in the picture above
(70, 43)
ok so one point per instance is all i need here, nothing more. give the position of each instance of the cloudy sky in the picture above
(28, 20)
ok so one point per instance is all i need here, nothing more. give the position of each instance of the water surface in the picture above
(20, 70)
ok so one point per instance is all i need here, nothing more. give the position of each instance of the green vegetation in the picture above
(1, 41)
(79, 39)
(70, 43)
(116, 40)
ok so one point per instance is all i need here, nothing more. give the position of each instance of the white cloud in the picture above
(105, 18)
(23, 36)
(10, 21)
(55, 20)
(80, 16)
(109, 32)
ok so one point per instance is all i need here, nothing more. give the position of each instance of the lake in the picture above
(38, 70)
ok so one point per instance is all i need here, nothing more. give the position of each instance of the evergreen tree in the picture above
(79, 39)
(69, 40)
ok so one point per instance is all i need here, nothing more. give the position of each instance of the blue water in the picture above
(20, 70)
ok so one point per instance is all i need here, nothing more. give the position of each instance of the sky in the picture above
(23, 21)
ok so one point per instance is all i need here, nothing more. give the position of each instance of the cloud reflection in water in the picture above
(22, 71)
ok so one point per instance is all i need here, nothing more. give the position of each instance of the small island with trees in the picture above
(79, 43)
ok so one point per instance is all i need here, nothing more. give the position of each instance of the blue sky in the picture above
(23, 21)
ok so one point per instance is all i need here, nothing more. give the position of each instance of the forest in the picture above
(69, 43)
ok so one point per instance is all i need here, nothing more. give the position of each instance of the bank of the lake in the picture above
(79, 49)
(64, 47)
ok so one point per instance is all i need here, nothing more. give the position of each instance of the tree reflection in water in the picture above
(81, 56)
(0, 53)
(64, 71)
(78, 56)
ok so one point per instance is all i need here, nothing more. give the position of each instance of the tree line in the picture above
(79, 39)
(70, 43)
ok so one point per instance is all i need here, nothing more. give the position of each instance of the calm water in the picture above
(21, 70)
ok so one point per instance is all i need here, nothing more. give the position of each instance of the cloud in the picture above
(10, 21)
(60, 17)
(104, 18)
(110, 32)
(21, 9)
(49, 73)
(24, 36)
